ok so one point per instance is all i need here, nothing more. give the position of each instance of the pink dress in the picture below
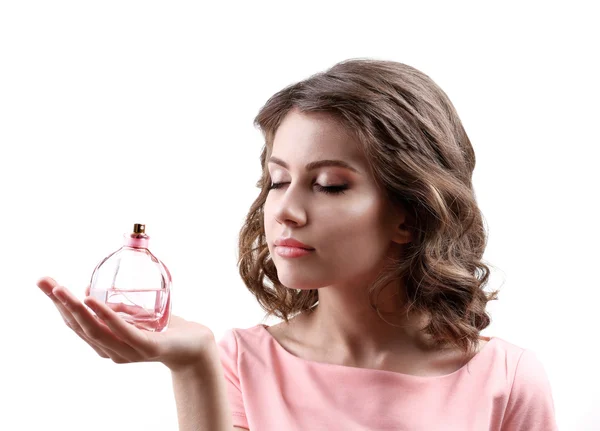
(502, 388)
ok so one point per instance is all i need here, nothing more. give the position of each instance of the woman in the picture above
(366, 239)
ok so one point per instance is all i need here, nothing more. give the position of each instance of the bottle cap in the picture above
(137, 239)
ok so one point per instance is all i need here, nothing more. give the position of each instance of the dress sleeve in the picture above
(228, 351)
(530, 405)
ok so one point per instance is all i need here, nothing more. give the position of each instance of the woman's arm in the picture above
(530, 405)
(200, 395)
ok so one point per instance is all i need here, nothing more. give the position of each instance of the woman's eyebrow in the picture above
(317, 164)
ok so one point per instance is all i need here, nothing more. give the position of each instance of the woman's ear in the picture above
(403, 232)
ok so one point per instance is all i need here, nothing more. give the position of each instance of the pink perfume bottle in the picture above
(134, 283)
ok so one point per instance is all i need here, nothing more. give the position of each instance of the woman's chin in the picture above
(296, 284)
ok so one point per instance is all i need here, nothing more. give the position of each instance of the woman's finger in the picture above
(65, 314)
(101, 352)
(133, 311)
(47, 285)
(124, 330)
(95, 330)
(72, 323)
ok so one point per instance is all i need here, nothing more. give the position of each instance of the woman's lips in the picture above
(286, 251)
(291, 242)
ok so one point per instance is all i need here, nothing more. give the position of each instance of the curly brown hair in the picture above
(419, 153)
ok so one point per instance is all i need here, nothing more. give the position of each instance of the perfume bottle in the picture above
(135, 283)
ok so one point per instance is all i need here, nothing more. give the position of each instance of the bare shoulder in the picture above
(292, 337)
(288, 334)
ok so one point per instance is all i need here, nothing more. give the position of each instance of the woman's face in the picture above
(351, 230)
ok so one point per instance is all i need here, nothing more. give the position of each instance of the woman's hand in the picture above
(182, 344)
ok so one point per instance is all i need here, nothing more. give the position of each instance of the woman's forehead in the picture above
(305, 137)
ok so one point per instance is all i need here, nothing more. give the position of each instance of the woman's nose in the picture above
(290, 208)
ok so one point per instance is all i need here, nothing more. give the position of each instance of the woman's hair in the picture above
(418, 153)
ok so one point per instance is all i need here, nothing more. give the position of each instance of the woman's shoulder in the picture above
(235, 339)
(510, 360)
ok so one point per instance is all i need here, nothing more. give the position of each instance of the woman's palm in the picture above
(183, 343)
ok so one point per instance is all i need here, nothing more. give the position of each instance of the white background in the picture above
(119, 112)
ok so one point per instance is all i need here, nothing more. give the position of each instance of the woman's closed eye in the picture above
(329, 190)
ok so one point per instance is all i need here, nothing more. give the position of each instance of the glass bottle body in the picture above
(136, 285)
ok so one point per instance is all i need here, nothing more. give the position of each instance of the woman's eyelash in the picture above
(328, 190)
